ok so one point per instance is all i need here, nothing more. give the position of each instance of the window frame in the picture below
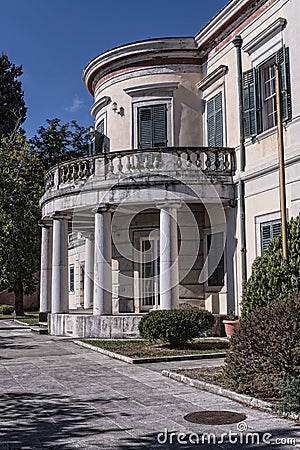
(273, 217)
(254, 103)
(169, 118)
(153, 129)
(266, 98)
(208, 100)
(72, 278)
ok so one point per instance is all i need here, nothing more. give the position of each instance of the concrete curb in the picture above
(104, 352)
(129, 360)
(21, 323)
(252, 402)
(33, 328)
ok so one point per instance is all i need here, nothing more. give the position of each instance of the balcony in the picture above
(196, 164)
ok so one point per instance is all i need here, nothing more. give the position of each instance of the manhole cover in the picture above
(215, 417)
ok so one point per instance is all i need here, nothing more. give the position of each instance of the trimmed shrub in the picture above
(272, 278)
(175, 326)
(264, 352)
(290, 388)
(7, 310)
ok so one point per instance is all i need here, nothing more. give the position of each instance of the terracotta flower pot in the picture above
(230, 326)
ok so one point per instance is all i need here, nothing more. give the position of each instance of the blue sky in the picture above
(55, 39)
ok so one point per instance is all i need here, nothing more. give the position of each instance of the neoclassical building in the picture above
(180, 191)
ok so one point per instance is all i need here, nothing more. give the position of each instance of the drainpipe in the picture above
(237, 42)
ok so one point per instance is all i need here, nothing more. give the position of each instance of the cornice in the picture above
(275, 27)
(146, 52)
(212, 77)
(229, 22)
(99, 104)
(224, 17)
(146, 88)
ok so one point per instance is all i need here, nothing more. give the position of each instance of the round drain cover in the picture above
(215, 417)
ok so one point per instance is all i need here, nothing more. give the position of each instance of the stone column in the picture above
(88, 272)
(169, 275)
(230, 270)
(46, 272)
(60, 298)
(102, 263)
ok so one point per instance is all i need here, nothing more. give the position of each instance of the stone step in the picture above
(39, 330)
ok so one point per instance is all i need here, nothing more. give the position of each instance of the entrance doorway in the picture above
(149, 272)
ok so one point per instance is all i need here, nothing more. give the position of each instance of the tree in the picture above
(21, 179)
(12, 104)
(60, 142)
(272, 278)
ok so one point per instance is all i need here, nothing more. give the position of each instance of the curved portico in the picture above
(84, 201)
(128, 228)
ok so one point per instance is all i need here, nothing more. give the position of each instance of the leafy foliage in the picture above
(12, 104)
(60, 142)
(21, 178)
(264, 352)
(7, 310)
(272, 278)
(175, 326)
(290, 388)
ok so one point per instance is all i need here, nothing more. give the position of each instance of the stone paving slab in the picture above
(57, 395)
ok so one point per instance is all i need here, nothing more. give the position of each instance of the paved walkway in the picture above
(57, 395)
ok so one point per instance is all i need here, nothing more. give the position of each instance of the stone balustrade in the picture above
(181, 160)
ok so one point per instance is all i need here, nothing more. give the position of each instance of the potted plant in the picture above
(231, 323)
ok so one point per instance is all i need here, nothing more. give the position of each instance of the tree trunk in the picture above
(19, 293)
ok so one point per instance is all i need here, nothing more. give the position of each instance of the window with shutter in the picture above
(259, 94)
(215, 121)
(100, 142)
(249, 99)
(282, 59)
(268, 231)
(215, 128)
(152, 126)
(216, 273)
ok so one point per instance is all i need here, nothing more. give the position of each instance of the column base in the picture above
(43, 316)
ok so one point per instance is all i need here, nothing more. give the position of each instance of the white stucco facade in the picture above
(153, 218)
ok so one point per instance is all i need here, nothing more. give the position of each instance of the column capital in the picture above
(45, 223)
(57, 215)
(166, 204)
(107, 207)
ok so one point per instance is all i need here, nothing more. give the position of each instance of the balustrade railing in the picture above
(182, 160)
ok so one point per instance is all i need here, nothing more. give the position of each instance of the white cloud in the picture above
(75, 105)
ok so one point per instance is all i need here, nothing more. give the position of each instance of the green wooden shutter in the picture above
(215, 121)
(282, 59)
(152, 126)
(250, 103)
(145, 127)
(268, 231)
(159, 126)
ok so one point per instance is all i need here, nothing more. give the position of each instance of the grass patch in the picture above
(144, 349)
(213, 375)
(28, 321)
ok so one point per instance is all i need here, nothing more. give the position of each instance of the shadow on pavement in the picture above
(37, 420)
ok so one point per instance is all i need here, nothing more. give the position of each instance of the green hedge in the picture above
(271, 277)
(264, 356)
(7, 310)
(175, 326)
